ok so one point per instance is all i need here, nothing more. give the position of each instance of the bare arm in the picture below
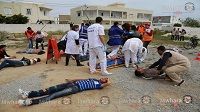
(102, 39)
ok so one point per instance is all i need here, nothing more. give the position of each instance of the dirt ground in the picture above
(127, 93)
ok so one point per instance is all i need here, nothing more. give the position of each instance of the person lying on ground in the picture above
(172, 63)
(18, 63)
(64, 89)
(32, 51)
(148, 73)
(3, 53)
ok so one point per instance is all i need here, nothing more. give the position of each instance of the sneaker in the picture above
(147, 78)
(106, 73)
(80, 65)
(26, 102)
(24, 93)
(180, 83)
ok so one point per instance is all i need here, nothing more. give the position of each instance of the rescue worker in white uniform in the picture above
(132, 49)
(97, 47)
(72, 45)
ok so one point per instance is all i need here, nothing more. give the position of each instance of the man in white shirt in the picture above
(97, 47)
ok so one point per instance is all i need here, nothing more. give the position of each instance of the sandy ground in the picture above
(124, 95)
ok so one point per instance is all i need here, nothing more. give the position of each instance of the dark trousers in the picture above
(182, 38)
(146, 43)
(41, 41)
(76, 56)
(176, 37)
(11, 63)
(54, 92)
(172, 37)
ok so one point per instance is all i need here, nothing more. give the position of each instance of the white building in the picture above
(110, 14)
(165, 20)
(33, 11)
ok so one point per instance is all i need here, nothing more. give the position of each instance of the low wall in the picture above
(21, 28)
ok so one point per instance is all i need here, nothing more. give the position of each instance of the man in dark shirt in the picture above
(3, 53)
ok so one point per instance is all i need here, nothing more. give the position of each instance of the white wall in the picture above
(21, 28)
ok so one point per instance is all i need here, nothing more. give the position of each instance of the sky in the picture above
(159, 7)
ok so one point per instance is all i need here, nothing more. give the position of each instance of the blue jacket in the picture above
(115, 34)
(83, 32)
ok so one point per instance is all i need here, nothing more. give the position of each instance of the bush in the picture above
(191, 22)
(15, 19)
(177, 25)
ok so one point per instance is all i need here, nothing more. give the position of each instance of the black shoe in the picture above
(180, 83)
(80, 65)
(66, 64)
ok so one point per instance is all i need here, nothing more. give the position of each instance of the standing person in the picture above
(30, 34)
(127, 32)
(173, 34)
(72, 45)
(97, 46)
(83, 39)
(141, 30)
(172, 63)
(64, 89)
(148, 35)
(136, 34)
(132, 49)
(177, 34)
(182, 35)
(39, 38)
(3, 53)
(115, 39)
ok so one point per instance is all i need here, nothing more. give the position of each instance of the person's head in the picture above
(99, 20)
(29, 28)
(87, 24)
(139, 72)
(38, 32)
(103, 80)
(133, 27)
(82, 24)
(75, 27)
(126, 26)
(2, 47)
(174, 29)
(35, 60)
(116, 23)
(147, 25)
(161, 50)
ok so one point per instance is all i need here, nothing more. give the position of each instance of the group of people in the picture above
(178, 35)
(131, 40)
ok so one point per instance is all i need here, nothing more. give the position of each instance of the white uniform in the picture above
(71, 47)
(142, 56)
(131, 49)
(96, 47)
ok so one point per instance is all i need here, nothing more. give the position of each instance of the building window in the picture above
(8, 11)
(130, 15)
(78, 14)
(45, 13)
(140, 15)
(101, 14)
(28, 11)
(148, 16)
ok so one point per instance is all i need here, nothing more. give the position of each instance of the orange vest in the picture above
(146, 37)
(141, 30)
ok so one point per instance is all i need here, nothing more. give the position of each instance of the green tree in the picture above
(190, 22)
(2, 18)
(15, 19)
